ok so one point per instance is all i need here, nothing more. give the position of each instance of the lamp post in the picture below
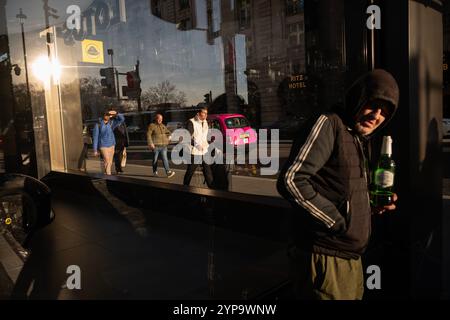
(21, 16)
(29, 162)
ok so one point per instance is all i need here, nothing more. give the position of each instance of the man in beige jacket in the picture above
(158, 137)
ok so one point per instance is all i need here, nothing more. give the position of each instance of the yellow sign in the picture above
(92, 51)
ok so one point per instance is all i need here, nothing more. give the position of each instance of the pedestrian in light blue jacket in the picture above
(103, 137)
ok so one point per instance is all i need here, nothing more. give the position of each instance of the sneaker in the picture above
(155, 173)
(170, 174)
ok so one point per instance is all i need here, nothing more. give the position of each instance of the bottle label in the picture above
(384, 179)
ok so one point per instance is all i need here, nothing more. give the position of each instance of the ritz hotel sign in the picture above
(97, 18)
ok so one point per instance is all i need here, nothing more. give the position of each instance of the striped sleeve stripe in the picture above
(295, 167)
(292, 188)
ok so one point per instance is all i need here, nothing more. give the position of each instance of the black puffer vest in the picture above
(342, 180)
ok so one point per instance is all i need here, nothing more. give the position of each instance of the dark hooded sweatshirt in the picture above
(326, 176)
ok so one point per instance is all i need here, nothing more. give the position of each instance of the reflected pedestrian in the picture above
(103, 137)
(158, 137)
(198, 128)
(87, 141)
(122, 142)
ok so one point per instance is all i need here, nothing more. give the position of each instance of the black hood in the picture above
(376, 84)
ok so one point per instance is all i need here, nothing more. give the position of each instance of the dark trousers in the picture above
(206, 172)
(118, 155)
(83, 157)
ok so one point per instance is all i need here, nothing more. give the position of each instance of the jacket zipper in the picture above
(361, 150)
(365, 178)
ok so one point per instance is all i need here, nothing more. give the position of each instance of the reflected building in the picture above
(446, 58)
(276, 58)
(263, 43)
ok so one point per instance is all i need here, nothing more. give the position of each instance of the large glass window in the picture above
(184, 4)
(276, 63)
(244, 13)
(296, 34)
(294, 7)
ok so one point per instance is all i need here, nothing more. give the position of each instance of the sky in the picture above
(165, 53)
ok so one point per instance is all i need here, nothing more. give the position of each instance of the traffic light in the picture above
(133, 89)
(207, 98)
(108, 82)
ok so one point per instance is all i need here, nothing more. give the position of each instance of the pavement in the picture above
(239, 183)
(131, 253)
(242, 181)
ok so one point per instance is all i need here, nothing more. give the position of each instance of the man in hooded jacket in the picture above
(326, 179)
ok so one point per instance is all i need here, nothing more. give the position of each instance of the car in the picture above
(133, 129)
(234, 127)
(446, 127)
(172, 126)
(25, 206)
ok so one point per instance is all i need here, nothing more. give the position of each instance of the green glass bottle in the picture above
(383, 177)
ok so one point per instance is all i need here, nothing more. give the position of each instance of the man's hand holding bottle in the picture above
(389, 207)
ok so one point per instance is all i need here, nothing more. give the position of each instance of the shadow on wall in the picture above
(407, 244)
(426, 219)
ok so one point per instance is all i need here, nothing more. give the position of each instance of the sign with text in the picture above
(297, 81)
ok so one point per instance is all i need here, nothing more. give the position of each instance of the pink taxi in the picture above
(235, 127)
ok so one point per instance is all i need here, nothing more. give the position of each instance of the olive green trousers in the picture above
(321, 277)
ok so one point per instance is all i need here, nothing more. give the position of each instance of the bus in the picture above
(137, 122)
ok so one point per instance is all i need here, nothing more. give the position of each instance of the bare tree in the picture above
(94, 103)
(163, 93)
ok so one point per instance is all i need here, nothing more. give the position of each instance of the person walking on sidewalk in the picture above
(103, 137)
(326, 180)
(158, 137)
(120, 134)
(198, 128)
(87, 141)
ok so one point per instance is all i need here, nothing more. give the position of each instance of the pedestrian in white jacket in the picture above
(198, 128)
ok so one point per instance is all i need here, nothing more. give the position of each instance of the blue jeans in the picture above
(163, 152)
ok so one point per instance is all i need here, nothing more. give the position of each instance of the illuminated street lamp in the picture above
(44, 70)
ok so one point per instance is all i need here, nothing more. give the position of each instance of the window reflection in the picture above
(294, 7)
(274, 62)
